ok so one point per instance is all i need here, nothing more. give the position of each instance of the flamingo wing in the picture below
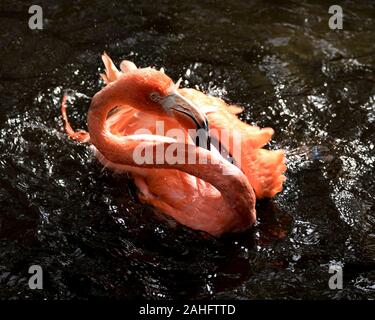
(264, 168)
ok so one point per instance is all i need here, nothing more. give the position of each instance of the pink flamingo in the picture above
(196, 195)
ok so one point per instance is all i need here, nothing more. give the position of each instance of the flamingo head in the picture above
(153, 91)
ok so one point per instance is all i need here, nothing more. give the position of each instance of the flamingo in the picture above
(197, 195)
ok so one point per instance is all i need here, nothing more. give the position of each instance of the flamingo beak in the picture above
(189, 115)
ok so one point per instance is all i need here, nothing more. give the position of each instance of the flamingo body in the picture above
(198, 196)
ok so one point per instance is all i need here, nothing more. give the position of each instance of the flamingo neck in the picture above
(234, 187)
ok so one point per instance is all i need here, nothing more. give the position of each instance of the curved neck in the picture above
(234, 187)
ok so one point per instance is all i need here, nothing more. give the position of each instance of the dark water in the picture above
(280, 61)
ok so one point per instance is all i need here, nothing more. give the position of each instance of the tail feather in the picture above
(127, 66)
(264, 169)
(111, 71)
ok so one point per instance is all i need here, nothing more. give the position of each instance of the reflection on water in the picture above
(310, 153)
(85, 226)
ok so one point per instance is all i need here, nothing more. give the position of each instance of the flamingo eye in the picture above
(155, 96)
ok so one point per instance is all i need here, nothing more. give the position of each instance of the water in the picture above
(85, 226)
